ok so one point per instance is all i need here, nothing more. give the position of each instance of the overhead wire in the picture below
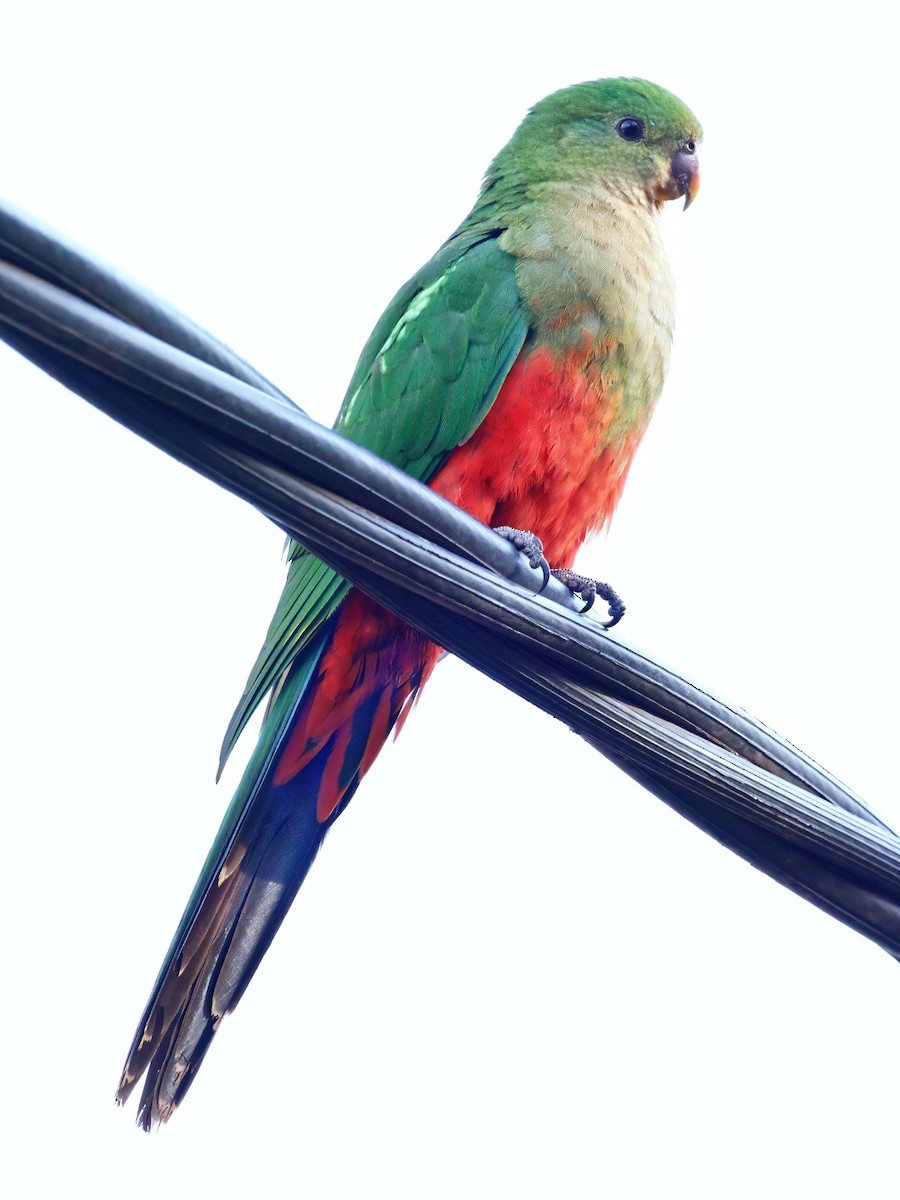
(139, 360)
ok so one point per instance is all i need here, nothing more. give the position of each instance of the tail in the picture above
(325, 727)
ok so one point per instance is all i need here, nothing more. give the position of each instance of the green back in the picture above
(426, 377)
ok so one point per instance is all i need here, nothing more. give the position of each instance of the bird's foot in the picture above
(588, 590)
(530, 545)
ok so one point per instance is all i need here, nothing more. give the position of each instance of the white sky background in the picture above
(511, 972)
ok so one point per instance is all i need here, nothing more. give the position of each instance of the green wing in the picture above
(428, 374)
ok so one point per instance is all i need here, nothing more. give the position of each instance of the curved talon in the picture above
(588, 589)
(614, 605)
(531, 546)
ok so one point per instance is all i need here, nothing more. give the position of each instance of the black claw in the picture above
(588, 589)
(530, 545)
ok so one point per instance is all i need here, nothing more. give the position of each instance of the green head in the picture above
(624, 133)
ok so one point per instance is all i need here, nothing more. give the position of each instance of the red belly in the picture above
(543, 459)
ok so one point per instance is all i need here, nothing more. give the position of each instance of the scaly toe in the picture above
(528, 544)
(588, 589)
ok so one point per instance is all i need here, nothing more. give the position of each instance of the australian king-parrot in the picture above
(515, 373)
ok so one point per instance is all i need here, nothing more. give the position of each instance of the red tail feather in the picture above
(371, 670)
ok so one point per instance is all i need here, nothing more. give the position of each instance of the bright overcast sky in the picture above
(511, 972)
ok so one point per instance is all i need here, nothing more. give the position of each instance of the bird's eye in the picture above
(631, 129)
(690, 145)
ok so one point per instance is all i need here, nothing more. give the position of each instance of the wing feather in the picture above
(426, 379)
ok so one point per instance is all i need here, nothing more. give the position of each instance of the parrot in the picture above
(515, 374)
